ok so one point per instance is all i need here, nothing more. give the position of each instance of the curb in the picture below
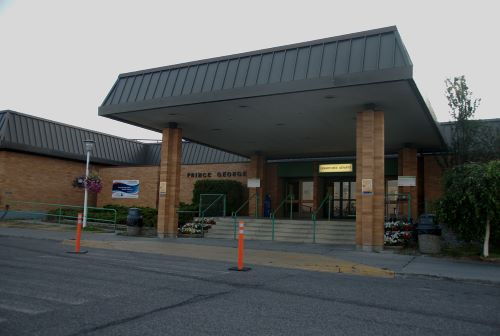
(447, 278)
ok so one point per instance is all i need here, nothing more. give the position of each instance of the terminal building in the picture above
(349, 100)
(340, 116)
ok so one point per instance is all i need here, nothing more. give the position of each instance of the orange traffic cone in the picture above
(241, 248)
(78, 235)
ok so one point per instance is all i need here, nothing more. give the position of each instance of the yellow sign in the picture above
(335, 168)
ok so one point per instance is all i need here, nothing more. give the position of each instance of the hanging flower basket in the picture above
(93, 183)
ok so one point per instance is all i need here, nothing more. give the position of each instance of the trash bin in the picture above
(429, 234)
(134, 222)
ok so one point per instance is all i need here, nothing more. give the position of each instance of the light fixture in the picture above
(329, 97)
(243, 106)
(89, 145)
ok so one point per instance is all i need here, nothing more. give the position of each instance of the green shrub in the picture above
(185, 217)
(235, 194)
(149, 215)
(471, 197)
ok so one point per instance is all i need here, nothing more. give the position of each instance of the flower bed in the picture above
(398, 232)
(196, 227)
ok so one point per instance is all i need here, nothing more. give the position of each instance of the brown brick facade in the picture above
(370, 165)
(170, 182)
(408, 166)
(36, 178)
(220, 171)
(148, 177)
(257, 169)
(433, 184)
(28, 177)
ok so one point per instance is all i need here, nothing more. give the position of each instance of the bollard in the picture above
(78, 235)
(241, 247)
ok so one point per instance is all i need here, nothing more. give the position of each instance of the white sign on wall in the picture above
(407, 181)
(125, 189)
(253, 183)
(367, 186)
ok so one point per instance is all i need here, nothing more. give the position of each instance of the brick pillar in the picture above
(170, 178)
(370, 165)
(408, 166)
(257, 169)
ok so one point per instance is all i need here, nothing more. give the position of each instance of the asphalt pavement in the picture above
(46, 291)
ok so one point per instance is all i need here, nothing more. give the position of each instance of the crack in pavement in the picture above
(194, 299)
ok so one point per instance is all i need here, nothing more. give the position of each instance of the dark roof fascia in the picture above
(220, 149)
(70, 126)
(266, 50)
(429, 113)
(324, 159)
(402, 45)
(8, 146)
(490, 120)
(296, 86)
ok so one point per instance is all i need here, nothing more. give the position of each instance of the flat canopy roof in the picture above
(297, 100)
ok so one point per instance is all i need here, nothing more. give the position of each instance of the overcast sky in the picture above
(59, 58)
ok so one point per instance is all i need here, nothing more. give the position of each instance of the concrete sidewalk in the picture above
(326, 258)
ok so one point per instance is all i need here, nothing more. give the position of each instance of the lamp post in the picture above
(89, 144)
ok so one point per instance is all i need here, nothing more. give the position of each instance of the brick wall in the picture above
(433, 174)
(227, 171)
(28, 177)
(149, 179)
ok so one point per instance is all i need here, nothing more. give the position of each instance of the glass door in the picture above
(306, 198)
(344, 198)
(303, 194)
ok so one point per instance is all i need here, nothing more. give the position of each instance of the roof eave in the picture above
(338, 81)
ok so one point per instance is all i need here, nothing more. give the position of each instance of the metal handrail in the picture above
(60, 207)
(315, 213)
(211, 204)
(273, 214)
(281, 204)
(199, 208)
(234, 214)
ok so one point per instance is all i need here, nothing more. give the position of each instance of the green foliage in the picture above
(149, 214)
(471, 195)
(471, 140)
(234, 191)
(185, 217)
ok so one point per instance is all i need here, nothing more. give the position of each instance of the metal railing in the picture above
(273, 213)
(61, 211)
(202, 212)
(217, 197)
(315, 213)
(234, 214)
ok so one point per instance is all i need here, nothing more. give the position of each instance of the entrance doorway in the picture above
(302, 203)
(344, 197)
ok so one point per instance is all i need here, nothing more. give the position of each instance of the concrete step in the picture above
(300, 230)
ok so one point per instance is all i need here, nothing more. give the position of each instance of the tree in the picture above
(471, 140)
(471, 202)
(463, 106)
